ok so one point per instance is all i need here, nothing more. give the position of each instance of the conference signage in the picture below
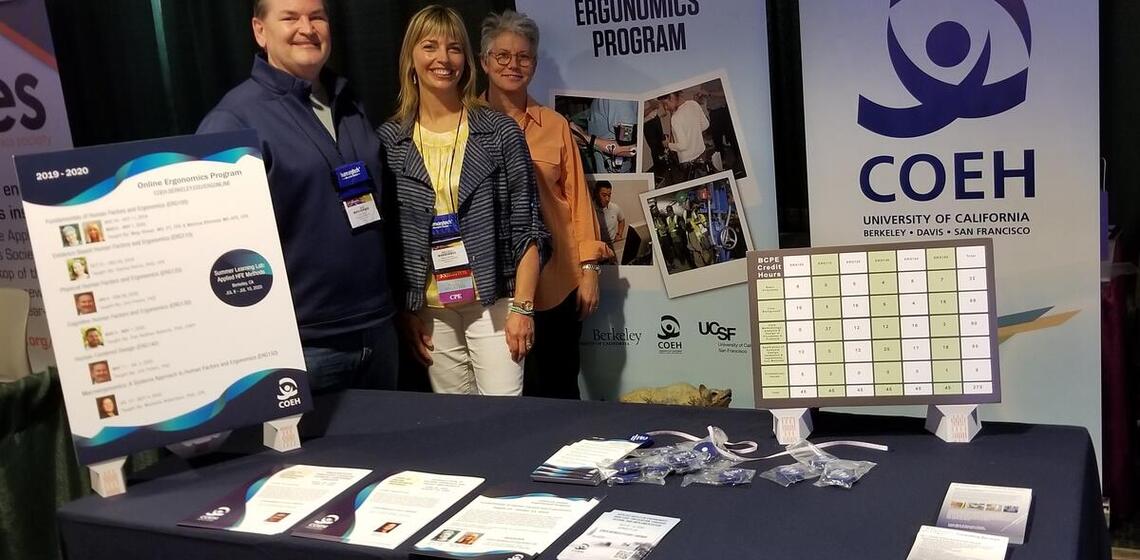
(165, 290)
(953, 120)
(670, 106)
(32, 119)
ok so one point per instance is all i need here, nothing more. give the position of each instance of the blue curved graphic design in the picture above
(255, 488)
(150, 162)
(363, 495)
(188, 420)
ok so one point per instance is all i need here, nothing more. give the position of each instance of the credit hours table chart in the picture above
(899, 323)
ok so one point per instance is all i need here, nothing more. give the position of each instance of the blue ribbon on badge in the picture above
(445, 227)
(352, 180)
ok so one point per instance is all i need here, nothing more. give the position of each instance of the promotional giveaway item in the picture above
(174, 321)
(275, 501)
(385, 513)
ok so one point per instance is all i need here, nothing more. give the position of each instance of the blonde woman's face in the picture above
(438, 62)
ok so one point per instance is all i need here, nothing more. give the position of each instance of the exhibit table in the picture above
(504, 439)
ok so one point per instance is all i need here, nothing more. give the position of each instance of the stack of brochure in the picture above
(620, 535)
(581, 462)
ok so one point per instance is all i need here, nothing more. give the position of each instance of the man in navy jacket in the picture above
(309, 126)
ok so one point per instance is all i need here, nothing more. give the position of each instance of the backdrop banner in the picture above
(670, 103)
(32, 119)
(944, 120)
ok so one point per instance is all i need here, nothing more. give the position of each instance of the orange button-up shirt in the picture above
(566, 205)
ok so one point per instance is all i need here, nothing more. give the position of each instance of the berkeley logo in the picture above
(287, 392)
(941, 103)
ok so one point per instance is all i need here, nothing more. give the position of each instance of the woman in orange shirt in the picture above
(568, 285)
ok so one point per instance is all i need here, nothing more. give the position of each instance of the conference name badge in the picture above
(354, 187)
(456, 287)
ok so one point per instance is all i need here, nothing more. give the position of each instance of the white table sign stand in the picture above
(791, 425)
(107, 477)
(953, 423)
(281, 434)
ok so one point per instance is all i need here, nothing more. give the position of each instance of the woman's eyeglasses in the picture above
(503, 58)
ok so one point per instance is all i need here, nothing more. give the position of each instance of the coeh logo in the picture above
(714, 328)
(941, 103)
(670, 329)
(324, 522)
(287, 391)
(214, 515)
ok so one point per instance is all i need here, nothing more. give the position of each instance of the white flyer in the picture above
(525, 524)
(936, 543)
(273, 502)
(385, 513)
(994, 510)
(620, 535)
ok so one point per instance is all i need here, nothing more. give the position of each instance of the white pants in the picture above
(471, 355)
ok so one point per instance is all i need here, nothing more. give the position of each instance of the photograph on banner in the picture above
(606, 127)
(690, 131)
(700, 237)
(623, 226)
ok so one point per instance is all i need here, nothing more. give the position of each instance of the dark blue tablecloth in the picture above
(503, 439)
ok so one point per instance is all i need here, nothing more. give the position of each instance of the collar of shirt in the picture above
(282, 83)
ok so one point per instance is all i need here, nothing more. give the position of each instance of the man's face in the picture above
(85, 303)
(295, 36)
(670, 103)
(604, 197)
(669, 210)
(93, 338)
(100, 373)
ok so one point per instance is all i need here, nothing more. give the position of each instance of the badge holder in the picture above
(452, 267)
(354, 188)
(791, 425)
(953, 423)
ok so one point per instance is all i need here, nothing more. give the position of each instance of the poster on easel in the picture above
(165, 290)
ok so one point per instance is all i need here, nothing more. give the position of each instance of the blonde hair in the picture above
(433, 20)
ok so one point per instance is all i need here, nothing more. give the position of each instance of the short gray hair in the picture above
(508, 21)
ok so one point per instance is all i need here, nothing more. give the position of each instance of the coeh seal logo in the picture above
(670, 329)
(287, 392)
(324, 522)
(214, 515)
(941, 103)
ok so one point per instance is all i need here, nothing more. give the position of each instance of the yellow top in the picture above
(442, 153)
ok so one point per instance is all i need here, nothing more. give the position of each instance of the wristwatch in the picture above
(592, 266)
(527, 306)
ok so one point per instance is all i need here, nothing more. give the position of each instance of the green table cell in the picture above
(888, 390)
(884, 306)
(824, 264)
(948, 370)
(944, 325)
(774, 376)
(829, 330)
(945, 349)
(825, 286)
(832, 391)
(883, 283)
(773, 333)
(828, 352)
(942, 280)
(770, 310)
(881, 261)
(826, 308)
(940, 259)
(770, 288)
(948, 389)
(943, 303)
(775, 392)
(885, 327)
(886, 350)
(829, 374)
(773, 354)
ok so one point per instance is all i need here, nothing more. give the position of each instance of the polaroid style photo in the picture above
(690, 131)
(606, 127)
(617, 205)
(700, 236)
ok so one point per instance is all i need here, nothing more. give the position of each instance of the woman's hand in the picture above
(416, 337)
(520, 335)
(587, 294)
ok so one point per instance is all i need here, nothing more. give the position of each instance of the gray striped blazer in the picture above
(498, 207)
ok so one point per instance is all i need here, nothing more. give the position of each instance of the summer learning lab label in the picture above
(165, 290)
